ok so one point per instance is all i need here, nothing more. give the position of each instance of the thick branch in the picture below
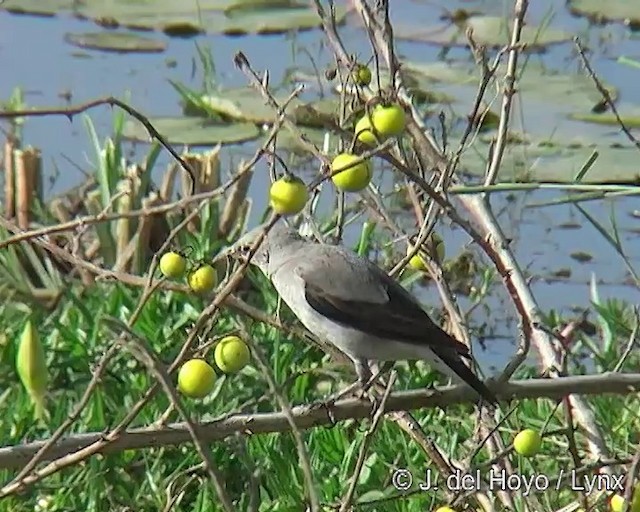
(307, 417)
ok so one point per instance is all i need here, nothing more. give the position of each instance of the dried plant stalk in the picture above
(234, 202)
(28, 176)
(145, 229)
(9, 178)
(93, 204)
(59, 210)
(195, 162)
(210, 177)
(23, 189)
(168, 180)
(33, 158)
(123, 225)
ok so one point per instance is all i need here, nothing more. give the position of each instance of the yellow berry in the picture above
(416, 262)
(527, 443)
(231, 354)
(445, 509)
(173, 265)
(434, 245)
(353, 179)
(196, 378)
(362, 75)
(203, 280)
(618, 502)
(288, 195)
(364, 132)
(389, 120)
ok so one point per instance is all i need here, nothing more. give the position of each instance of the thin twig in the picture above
(364, 446)
(604, 92)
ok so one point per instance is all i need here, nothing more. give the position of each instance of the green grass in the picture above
(74, 339)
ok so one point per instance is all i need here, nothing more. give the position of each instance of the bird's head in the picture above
(273, 245)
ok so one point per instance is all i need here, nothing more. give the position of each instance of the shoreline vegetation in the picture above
(140, 370)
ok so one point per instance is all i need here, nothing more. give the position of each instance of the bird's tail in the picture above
(457, 367)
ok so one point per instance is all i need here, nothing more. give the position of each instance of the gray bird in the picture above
(352, 303)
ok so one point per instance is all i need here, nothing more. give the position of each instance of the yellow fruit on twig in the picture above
(355, 176)
(362, 75)
(386, 120)
(231, 354)
(196, 378)
(527, 443)
(31, 366)
(288, 195)
(435, 247)
(173, 265)
(203, 280)
(417, 261)
(618, 503)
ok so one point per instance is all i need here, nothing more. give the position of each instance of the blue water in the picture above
(34, 55)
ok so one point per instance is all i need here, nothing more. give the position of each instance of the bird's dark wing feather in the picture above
(457, 365)
(377, 304)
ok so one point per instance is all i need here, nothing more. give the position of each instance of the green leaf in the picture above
(193, 131)
(493, 31)
(186, 17)
(120, 42)
(612, 10)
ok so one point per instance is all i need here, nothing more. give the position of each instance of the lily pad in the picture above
(581, 256)
(556, 162)
(625, 11)
(120, 42)
(630, 117)
(322, 114)
(535, 82)
(491, 31)
(185, 16)
(239, 8)
(286, 141)
(246, 104)
(192, 131)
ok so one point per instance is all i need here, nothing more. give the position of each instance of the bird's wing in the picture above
(355, 292)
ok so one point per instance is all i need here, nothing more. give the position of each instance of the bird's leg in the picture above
(364, 382)
(365, 379)
(386, 367)
(363, 371)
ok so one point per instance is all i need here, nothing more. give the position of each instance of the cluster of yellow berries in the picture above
(202, 280)
(197, 377)
(349, 172)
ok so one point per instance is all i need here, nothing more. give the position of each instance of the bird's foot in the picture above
(372, 398)
(327, 405)
(329, 402)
